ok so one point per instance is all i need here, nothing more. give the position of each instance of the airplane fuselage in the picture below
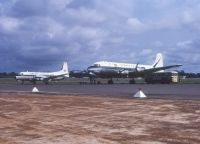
(41, 74)
(104, 69)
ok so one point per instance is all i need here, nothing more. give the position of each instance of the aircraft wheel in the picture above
(34, 82)
(20, 81)
(132, 81)
(110, 81)
(46, 82)
(92, 81)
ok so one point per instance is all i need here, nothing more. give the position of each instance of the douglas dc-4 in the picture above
(43, 76)
(105, 69)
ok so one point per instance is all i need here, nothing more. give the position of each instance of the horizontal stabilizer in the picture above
(151, 70)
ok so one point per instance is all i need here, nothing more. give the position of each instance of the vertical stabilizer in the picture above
(65, 68)
(159, 61)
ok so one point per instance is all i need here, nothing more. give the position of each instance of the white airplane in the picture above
(43, 76)
(105, 69)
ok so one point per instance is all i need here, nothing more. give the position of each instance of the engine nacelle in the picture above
(140, 69)
(125, 72)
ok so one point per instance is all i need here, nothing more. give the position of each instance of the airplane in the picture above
(106, 69)
(46, 77)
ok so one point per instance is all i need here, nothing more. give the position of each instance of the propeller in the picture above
(136, 67)
(124, 71)
(92, 74)
(139, 69)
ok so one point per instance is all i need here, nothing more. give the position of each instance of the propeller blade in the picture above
(136, 67)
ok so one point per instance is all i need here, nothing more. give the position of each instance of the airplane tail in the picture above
(65, 69)
(159, 61)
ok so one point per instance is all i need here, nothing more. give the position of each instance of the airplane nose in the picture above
(89, 69)
(93, 70)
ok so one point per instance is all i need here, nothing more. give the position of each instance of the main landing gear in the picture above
(110, 81)
(132, 81)
(20, 82)
(92, 80)
(34, 82)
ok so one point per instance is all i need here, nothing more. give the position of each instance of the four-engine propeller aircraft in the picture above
(105, 69)
(43, 76)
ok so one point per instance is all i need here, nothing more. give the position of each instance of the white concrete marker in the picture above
(140, 94)
(35, 90)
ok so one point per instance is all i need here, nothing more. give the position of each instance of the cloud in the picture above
(136, 25)
(76, 4)
(24, 8)
(158, 44)
(9, 24)
(146, 52)
(187, 17)
(184, 44)
(84, 15)
(39, 34)
(86, 33)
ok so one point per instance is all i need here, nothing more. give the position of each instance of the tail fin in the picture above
(159, 61)
(65, 68)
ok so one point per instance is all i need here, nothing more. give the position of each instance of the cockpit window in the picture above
(97, 65)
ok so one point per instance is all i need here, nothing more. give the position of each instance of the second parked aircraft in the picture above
(43, 76)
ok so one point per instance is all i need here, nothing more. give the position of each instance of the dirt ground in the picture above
(27, 118)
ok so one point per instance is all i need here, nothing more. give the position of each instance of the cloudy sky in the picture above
(41, 34)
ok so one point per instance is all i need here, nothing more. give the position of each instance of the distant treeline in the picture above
(189, 75)
(181, 73)
(8, 75)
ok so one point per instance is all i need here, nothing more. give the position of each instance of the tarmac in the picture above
(101, 114)
(163, 91)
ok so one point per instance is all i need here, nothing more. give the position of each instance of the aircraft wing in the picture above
(151, 70)
(79, 73)
(100, 74)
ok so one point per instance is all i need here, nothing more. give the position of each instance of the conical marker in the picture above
(35, 90)
(140, 94)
